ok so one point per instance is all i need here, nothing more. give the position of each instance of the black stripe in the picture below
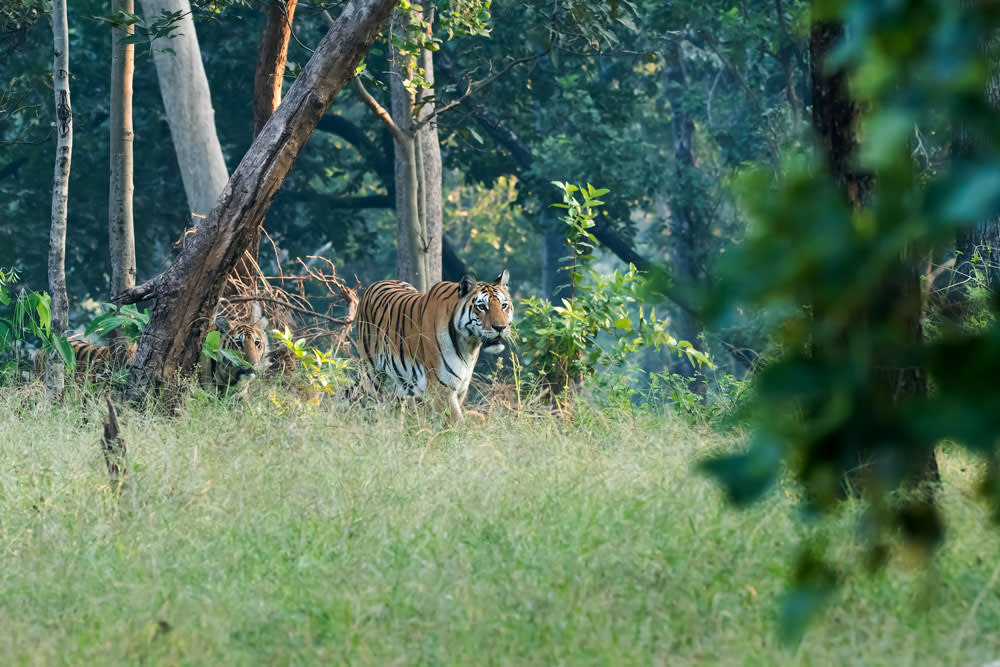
(445, 361)
(453, 334)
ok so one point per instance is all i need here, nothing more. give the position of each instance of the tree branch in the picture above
(379, 111)
(478, 85)
(146, 290)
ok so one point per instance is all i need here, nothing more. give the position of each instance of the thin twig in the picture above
(475, 86)
(285, 304)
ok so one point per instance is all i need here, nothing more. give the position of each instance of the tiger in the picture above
(250, 340)
(94, 363)
(417, 343)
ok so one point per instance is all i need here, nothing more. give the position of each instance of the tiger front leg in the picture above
(456, 406)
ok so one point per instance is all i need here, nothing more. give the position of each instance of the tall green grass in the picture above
(257, 533)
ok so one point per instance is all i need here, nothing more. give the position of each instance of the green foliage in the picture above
(845, 401)
(456, 18)
(127, 318)
(562, 342)
(320, 372)
(18, 15)
(26, 317)
(724, 390)
(212, 349)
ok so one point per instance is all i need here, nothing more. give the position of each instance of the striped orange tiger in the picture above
(94, 363)
(414, 343)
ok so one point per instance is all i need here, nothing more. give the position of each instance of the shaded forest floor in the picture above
(256, 533)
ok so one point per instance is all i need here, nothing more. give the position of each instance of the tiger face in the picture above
(250, 341)
(487, 311)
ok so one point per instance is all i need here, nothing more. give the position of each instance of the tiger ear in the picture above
(261, 323)
(466, 285)
(502, 279)
(221, 324)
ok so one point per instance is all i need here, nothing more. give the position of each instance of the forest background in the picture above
(659, 104)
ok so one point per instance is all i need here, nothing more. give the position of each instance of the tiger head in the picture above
(250, 341)
(486, 311)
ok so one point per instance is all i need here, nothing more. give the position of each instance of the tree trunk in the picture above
(430, 151)
(188, 103)
(835, 114)
(188, 292)
(121, 234)
(55, 369)
(417, 175)
(272, 56)
(188, 106)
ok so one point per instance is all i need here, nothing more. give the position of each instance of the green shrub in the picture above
(563, 343)
(26, 325)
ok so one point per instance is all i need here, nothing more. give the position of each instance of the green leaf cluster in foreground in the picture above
(860, 396)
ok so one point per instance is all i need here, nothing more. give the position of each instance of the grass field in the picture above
(252, 534)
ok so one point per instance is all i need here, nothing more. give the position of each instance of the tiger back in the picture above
(94, 363)
(249, 339)
(416, 344)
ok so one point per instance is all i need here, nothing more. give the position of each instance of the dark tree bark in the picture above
(187, 294)
(272, 57)
(835, 115)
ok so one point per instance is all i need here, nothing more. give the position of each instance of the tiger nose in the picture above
(499, 328)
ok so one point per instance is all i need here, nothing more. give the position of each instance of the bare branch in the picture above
(477, 86)
(146, 290)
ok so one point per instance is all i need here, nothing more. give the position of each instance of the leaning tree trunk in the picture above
(121, 234)
(188, 105)
(55, 375)
(188, 292)
(272, 57)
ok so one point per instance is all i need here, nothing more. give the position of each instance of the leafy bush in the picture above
(563, 342)
(26, 317)
(319, 373)
(129, 319)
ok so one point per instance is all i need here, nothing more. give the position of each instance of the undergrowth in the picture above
(255, 532)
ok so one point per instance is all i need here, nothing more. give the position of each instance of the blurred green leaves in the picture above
(845, 408)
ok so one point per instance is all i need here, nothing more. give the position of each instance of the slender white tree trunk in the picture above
(188, 103)
(54, 375)
(418, 175)
(121, 234)
(430, 151)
